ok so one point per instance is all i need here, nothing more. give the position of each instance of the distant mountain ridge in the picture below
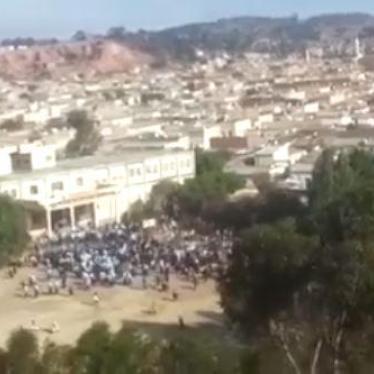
(121, 51)
(260, 34)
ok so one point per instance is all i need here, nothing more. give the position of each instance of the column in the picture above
(49, 222)
(72, 216)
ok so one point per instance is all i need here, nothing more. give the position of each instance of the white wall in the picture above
(128, 183)
(209, 133)
(241, 128)
(5, 161)
(43, 157)
(312, 107)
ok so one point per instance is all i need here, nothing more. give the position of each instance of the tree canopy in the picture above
(307, 283)
(13, 229)
(87, 139)
(128, 351)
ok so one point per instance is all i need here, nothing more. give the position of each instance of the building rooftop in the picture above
(96, 162)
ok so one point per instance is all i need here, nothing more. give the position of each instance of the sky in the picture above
(61, 18)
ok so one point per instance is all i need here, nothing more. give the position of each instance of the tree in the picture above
(311, 291)
(268, 207)
(132, 352)
(211, 184)
(91, 352)
(341, 196)
(55, 359)
(162, 200)
(23, 353)
(11, 125)
(117, 32)
(183, 356)
(13, 230)
(137, 212)
(87, 139)
(79, 36)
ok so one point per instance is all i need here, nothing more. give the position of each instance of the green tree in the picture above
(162, 200)
(341, 196)
(13, 229)
(312, 295)
(55, 359)
(210, 162)
(184, 356)
(23, 353)
(79, 36)
(87, 139)
(117, 32)
(137, 212)
(132, 353)
(91, 352)
(211, 184)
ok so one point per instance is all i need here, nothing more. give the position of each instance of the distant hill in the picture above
(85, 59)
(121, 50)
(259, 34)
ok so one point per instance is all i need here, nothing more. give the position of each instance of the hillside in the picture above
(280, 36)
(63, 59)
(334, 33)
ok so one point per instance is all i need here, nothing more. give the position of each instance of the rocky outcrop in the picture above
(85, 58)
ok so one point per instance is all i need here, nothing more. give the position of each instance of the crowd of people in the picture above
(125, 255)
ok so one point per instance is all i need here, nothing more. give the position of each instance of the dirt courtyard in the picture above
(74, 314)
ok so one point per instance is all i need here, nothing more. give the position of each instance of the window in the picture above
(34, 190)
(148, 170)
(132, 173)
(57, 186)
(79, 181)
(139, 172)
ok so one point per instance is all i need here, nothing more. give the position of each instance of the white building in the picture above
(311, 107)
(270, 155)
(96, 190)
(241, 127)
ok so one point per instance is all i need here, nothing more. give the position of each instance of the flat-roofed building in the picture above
(96, 190)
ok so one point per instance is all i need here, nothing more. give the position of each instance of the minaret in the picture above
(307, 55)
(358, 53)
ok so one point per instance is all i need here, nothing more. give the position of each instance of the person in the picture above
(25, 290)
(54, 328)
(50, 288)
(34, 326)
(175, 295)
(36, 290)
(96, 298)
(181, 323)
(153, 309)
(194, 281)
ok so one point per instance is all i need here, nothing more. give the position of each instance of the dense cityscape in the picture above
(211, 214)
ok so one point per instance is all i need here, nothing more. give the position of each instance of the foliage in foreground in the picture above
(13, 230)
(306, 284)
(98, 351)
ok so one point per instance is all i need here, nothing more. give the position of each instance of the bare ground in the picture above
(74, 314)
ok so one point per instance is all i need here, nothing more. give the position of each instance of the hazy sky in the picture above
(62, 17)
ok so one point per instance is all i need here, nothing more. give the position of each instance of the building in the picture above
(95, 190)
(270, 155)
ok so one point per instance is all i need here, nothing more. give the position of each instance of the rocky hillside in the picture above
(85, 58)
